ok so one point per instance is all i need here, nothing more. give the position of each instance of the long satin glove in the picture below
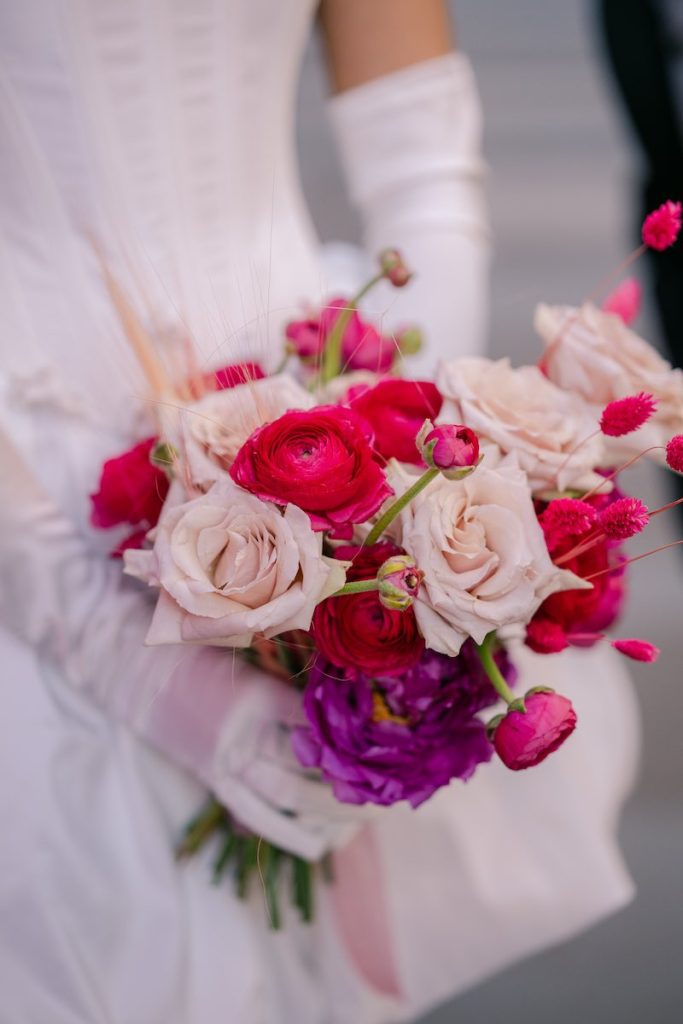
(410, 144)
(226, 721)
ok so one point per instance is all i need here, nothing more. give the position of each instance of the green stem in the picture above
(331, 364)
(201, 828)
(357, 587)
(485, 652)
(303, 888)
(398, 506)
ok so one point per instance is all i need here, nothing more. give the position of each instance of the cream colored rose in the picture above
(230, 565)
(523, 412)
(483, 553)
(596, 356)
(213, 429)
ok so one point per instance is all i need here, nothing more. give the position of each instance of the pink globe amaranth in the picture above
(625, 301)
(661, 227)
(523, 739)
(674, 453)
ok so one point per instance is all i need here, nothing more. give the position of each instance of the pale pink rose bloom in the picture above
(212, 430)
(597, 357)
(229, 565)
(482, 551)
(522, 412)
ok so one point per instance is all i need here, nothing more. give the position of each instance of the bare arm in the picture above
(366, 39)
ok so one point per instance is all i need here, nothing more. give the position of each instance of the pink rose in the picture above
(396, 409)
(321, 460)
(525, 738)
(230, 566)
(363, 347)
(131, 489)
(595, 356)
(548, 428)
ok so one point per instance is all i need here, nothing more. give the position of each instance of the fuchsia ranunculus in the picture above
(131, 489)
(320, 459)
(363, 347)
(396, 409)
(525, 738)
(357, 632)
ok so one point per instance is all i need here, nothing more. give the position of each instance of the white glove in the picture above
(410, 143)
(226, 721)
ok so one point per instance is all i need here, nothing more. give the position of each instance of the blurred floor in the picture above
(561, 205)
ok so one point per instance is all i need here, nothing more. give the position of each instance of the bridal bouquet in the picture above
(382, 543)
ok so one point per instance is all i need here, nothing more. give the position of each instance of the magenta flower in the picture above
(674, 453)
(384, 739)
(363, 347)
(625, 301)
(662, 226)
(623, 518)
(624, 415)
(450, 448)
(525, 738)
(638, 650)
(320, 459)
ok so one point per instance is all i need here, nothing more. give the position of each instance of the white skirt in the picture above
(100, 924)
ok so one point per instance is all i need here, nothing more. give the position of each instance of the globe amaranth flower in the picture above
(661, 227)
(384, 739)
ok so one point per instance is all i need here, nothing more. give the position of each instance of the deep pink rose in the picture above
(525, 738)
(131, 489)
(320, 459)
(356, 631)
(363, 347)
(396, 409)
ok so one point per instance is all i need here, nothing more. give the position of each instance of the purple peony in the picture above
(381, 740)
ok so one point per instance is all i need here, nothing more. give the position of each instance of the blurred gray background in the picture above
(562, 209)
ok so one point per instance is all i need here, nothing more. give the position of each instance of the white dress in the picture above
(163, 131)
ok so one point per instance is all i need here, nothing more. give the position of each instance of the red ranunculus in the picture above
(396, 409)
(319, 459)
(525, 738)
(131, 489)
(357, 632)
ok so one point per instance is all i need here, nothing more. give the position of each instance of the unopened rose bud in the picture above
(394, 269)
(450, 447)
(409, 341)
(398, 582)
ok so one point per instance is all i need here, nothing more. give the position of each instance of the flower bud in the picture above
(399, 582)
(409, 341)
(394, 269)
(450, 447)
(524, 738)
